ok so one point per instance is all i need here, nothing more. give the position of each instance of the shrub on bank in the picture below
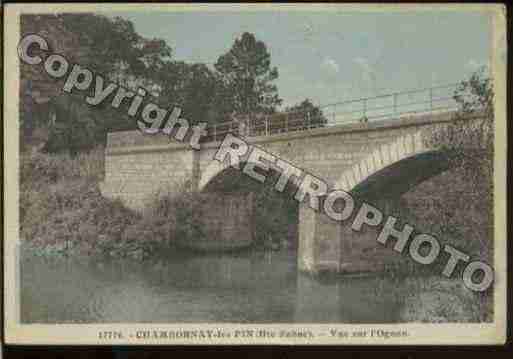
(71, 216)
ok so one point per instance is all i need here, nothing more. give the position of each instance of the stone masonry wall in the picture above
(135, 173)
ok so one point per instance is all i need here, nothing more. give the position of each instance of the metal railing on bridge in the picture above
(387, 106)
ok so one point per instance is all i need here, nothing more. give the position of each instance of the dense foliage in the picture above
(469, 212)
(247, 75)
(241, 82)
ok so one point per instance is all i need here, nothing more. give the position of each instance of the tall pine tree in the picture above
(248, 77)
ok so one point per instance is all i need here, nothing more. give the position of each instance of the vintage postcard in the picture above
(328, 174)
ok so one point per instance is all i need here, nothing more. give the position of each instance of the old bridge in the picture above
(380, 159)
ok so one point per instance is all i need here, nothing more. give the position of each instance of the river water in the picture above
(251, 287)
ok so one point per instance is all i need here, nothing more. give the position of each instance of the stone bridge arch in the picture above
(384, 156)
(394, 168)
(214, 169)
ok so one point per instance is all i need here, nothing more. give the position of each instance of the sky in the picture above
(332, 56)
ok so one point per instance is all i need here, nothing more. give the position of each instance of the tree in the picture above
(192, 87)
(470, 148)
(308, 114)
(247, 77)
(75, 128)
(112, 47)
(109, 47)
(37, 90)
(471, 143)
(475, 95)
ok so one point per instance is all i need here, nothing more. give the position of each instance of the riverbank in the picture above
(62, 211)
(63, 214)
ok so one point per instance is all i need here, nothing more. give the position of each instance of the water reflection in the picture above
(255, 287)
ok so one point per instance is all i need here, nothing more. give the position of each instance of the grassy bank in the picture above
(62, 211)
(457, 208)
